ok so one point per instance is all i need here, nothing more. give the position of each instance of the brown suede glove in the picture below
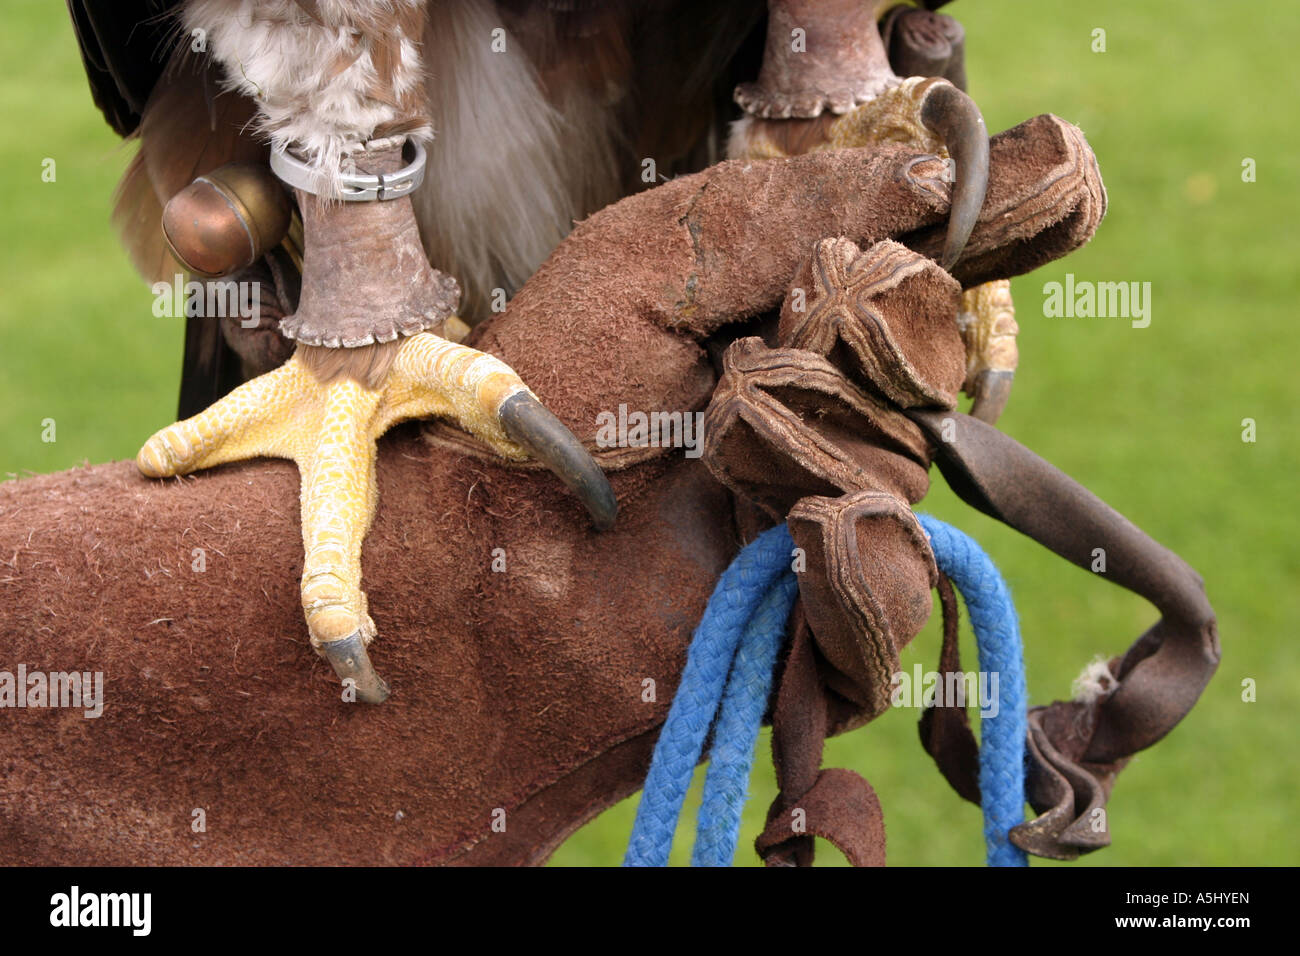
(527, 700)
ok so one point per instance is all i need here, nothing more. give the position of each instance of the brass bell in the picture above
(227, 219)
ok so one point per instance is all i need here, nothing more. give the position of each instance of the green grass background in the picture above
(1150, 419)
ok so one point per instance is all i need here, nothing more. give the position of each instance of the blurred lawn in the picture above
(1150, 419)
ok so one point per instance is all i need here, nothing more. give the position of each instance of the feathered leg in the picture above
(339, 88)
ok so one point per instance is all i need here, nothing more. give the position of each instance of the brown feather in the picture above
(794, 137)
(343, 61)
(190, 126)
(137, 216)
(684, 52)
(367, 364)
(400, 127)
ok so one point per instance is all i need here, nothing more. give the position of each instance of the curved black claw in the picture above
(529, 423)
(992, 389)
(952, 115)
(352, 662)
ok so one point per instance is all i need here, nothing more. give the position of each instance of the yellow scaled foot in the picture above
(987, 319)
(329, 430)
(927, 114)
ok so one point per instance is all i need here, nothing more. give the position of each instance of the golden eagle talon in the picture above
(351, 662)
(531, 425)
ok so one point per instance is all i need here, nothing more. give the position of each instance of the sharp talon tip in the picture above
(351, 661)
(528, 423)
(953, 116)
(992, 390)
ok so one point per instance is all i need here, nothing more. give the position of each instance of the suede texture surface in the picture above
(520, 705)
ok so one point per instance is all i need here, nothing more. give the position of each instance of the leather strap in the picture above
(1077, 747)
(945, 728)
(837, 805)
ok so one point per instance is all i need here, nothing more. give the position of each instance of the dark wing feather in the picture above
(210, 370)
(673, 63)
(125, 47)
(690, 56)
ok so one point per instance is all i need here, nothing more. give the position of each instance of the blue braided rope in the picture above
(728, 674)
(726, 784)
(741, 588)
(997, 634)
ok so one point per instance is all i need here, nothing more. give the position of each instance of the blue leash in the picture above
(748, 610)
(997, 635)
(728, 676)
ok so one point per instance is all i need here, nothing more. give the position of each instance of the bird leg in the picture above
(339, 91)
(366, 359)
(840, 91)
(826, 82)
(329, 429)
